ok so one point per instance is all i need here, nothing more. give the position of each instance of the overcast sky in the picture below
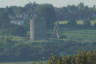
(58, 3)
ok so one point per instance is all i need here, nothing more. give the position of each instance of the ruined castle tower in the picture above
(37, 29)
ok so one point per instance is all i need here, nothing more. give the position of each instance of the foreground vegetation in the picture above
(83, 57)
(11, 50)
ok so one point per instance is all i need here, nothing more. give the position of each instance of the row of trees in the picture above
(44, 12)
(81, 57)
(79, 12)
(10, 16)
(48, 13)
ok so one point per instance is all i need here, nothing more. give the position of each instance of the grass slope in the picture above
(30, 62)
(80, 35)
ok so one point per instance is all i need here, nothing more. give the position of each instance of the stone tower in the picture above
(37, 29)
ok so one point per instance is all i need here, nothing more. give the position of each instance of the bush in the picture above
(81, 57)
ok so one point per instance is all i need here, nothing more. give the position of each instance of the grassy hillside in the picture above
(30, 62)
(81, 35)
(17, 63)
(15, 48)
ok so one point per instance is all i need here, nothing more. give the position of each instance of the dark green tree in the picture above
(4, 19)
(47, 13)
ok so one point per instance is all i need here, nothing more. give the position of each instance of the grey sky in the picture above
(58, 3)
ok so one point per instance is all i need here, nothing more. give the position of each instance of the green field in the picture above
(33, 62)
(84, 35)
(17, 63)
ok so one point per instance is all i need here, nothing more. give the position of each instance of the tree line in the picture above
(13, 17)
